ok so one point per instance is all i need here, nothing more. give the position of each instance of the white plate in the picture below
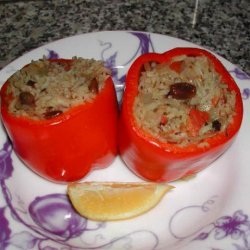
(207, 212)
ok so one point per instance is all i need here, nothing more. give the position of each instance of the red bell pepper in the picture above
(68, 146)
(154, 160)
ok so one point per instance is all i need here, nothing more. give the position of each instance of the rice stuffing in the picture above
(45, 89)
(183, 101)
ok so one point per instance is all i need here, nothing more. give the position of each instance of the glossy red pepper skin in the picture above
(67, 147)
(153, 160)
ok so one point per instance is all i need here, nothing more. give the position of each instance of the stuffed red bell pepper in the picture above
(61, 116)
(181, 110)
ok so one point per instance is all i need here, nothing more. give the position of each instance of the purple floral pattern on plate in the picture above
(245, 93)
(54, 214)
(239, 74)
(52, 54)
(235, 227)
(5, 230)
(145, 45)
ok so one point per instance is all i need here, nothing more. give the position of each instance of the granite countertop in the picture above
(222, 26)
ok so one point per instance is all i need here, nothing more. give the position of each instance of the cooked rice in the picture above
(167, 118)
(45, 89)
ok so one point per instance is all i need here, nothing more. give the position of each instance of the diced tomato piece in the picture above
(164, 120)
(196, 120)
(176, 66)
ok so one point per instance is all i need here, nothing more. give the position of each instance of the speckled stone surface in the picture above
(222, 26)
